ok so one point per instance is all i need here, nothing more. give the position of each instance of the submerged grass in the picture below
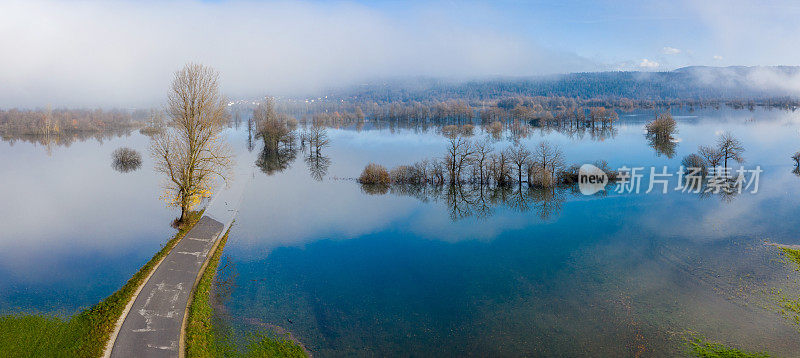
(789, 304)
(703, 349)
(84, 334)
(204, 338)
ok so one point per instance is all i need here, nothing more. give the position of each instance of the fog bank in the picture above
(124, 53)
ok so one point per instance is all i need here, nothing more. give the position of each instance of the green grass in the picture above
(790, 305)
(263, 345)
(204, 338)
(201, 335)
(792, 254)
(701, 348)
(83, 335)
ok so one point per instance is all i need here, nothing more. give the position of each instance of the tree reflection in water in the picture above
(275, 160)
(317, 165)
(317, 138)
(663, 146)
(464, 201)
(126, 160)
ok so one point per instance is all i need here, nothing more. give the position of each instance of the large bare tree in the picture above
(190, 151)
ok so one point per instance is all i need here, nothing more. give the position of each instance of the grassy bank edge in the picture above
(85, 334)
(199, 336)
(204, 339)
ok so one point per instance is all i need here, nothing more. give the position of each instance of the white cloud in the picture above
(717, 58)
(670, 50)
(750, 32)
(648, 63)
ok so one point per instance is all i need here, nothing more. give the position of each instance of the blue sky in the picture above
(123, 52)
(621, 34)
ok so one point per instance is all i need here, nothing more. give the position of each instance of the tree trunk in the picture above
(183, 214)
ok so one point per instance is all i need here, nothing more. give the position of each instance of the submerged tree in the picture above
(695, 162)
(483, 151)
(730, 148)
(459, 154)
(520, 157)
(660, 134)
(710, 155)
(190, 152)
(275, 129)
(317, 137)
(548, 162)
(374, 174)
(663, 126)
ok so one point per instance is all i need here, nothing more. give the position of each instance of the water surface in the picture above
(409, 272)
(349, 273)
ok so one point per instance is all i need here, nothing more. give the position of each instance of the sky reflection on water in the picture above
(355, 274)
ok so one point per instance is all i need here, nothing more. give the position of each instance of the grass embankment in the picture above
(204, 338)
(85, 334)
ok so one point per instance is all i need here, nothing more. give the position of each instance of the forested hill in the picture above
(688, 83)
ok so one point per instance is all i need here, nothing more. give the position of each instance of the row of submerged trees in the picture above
(479, 163)
(67, 121)
(61, 127)
(539, 110)
(518, 122)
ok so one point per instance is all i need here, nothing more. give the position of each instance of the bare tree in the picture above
(548, 160)
(190, 152)
(275, 128)
(710, 155)
(459, 153)
(500, 168)
(730, 148)
(520, 157)
(483, 150)
(317, 137)
(694, 161)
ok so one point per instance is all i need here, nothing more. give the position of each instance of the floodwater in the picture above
(417, 272)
